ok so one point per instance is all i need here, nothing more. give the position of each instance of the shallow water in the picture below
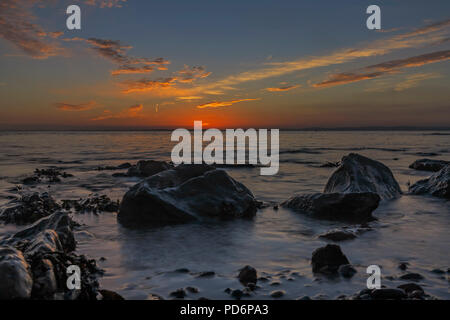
(278, 244)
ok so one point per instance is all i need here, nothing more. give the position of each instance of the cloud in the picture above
(413, 80)
(190, 74)
(130, 112)
(144, 85)
(282, 89)
(125, 69)
(217, 104)
(17, 26)
(189, 98)
(105, 3)
(384, 68)
(75, 107)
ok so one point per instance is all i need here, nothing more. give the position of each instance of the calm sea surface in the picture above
(413, 229)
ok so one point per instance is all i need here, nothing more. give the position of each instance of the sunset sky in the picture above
(272, 64)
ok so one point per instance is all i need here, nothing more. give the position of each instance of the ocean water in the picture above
(139, 263)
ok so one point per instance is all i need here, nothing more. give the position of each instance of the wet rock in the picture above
(358, 174)
(192, 289)
(412, 277)
(48, 175)
(153, 296)
(388, 294)
(110, 295)
(353, 207)
(347, 271)
(125, 165)
(304, 298)
(182, 270)
(410, 287)
(403, 266)
(330, 164)
(183, 194)
(248, 275)
(277, 294)
(263, 279)
(328, 259)
(321, 296)
(237, 294)
(93, 203)
(28, 208)
(252, 286)
(179, 293)
(206, 274)
(429, 165)
(228, 290)
(147, 168)
(338, 235)
(44, 279)
(437, 185)
(275, 283)
(15, 276)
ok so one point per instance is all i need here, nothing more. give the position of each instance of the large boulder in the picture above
(437, 185)
(147, 168)
(15, 276)
(28, 208)
(360, 174)
(186, 193)
(352, 207)
(429, 165)
(328, 259)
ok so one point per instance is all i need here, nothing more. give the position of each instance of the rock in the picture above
(277, 294)
(338, 235)
(183, 194)
(248, 275)
(328, 259)
(147, 168)
(125, 165)
(93, 203)
(182, 270)
(48, 175)
(192, 289)
(330, 164)
(179, 294)
(353, 207)
(108, 295)
(429, 165)
(45, 283)
(304, 298)
(410, 287)
(321, 296)
(347, 271)
(388, 294)
(15, 276)
(28, 208)
(403, 266)
(153, 296)
(412, 277)
(237, 294)
(438, 271)
(437, 185)
(358, 174)
(206, 274)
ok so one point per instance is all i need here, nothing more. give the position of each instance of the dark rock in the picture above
(119, 175)
(330, 165)
(358, 174)
(186, 193)
(347, 270)
(277, 294)
(206, 274)
(416, 294)
(247, 275)
(153, 296)
(93, 203)
(228, 290)
(179, 294)
(338, 235)
(125, 165)
(110, 295)
(437, 185)
(192, 289)
(275, 283)
(410, 287)
(354, 207)
(403, 266)
(147, 168)
(15, 276)
(252, 286)
(304, 298)
(182, 270)
(28, 208)
(429, 165)
(49, 175)
(237, 294)
(438, 271)
(411, 276)
(388, 294)
(328, 259)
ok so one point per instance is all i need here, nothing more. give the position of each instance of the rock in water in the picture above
(15, 275)
(328, 259)
(147, 168)
(388, 294)
(360, 174)
(437, 185)
(248, 275)
(338, 235)
(354, 207)
(186, 193)
(429, 165)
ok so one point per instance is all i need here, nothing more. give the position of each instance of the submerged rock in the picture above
(347, 271)
(94, 203)
(109, 295)
(125, 165)
(410, 287)
(28, 208)
(328, 259)
(248, 275)
(355, 207)
(338, 235)
(388, 294)
(429, 165)
(15, 275)
(147, 168)
(358, 174)
(437, 185)
(48, 175)
(186, 193)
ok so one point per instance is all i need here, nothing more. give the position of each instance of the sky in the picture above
(230, 64)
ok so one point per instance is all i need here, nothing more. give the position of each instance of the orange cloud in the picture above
(282, 89)
(131, 112)
(75, 107)
(105, 3)
(217, 104)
